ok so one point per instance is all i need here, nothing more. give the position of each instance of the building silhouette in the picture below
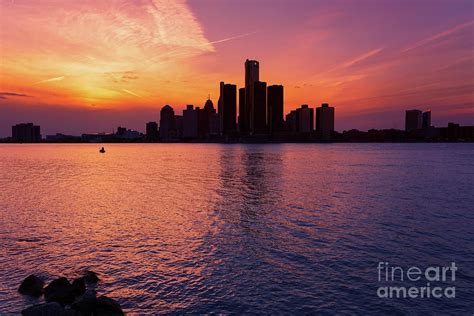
(301, 120)
(242, 114)
(220, 111)
(291, 125)
(98, 137)
(413, 120)
(258, 123)
(251, 76)
(190, 122)
(275, 108)
(325, 121)
(121, 131)
(305, 117)
(178, 119)
(26, 133)
(227, 108)
(209, 120)
(152, 131)
(455, 132)
(167, 123)
(62, 138)
(426, 120)
(127, 134)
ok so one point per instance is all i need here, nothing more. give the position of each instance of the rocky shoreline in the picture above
(64, 298)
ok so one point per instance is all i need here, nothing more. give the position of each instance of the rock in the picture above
(86, 303)
(90, 277)
(32, 285)
(107, 306)
(47, 309)
(59, 290)
(79, 286)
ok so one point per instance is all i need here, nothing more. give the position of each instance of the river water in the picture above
(199, 228)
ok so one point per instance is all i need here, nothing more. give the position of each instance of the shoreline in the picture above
(262, 143)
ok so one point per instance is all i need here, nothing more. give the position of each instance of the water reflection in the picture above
(234, 228)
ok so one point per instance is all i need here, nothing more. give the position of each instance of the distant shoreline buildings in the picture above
(255, 113)
(26, 133)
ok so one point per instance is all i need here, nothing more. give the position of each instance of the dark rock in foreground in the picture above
(59, 290)
(86, 304)
(90, 277)
(79, 286)
(66, 299)
(107, 306)
(48, 309)
(32, 285)
(89, 304)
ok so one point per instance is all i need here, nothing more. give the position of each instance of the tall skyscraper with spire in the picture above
(251, 76)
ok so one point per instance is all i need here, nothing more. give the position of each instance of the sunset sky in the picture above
(91, 65)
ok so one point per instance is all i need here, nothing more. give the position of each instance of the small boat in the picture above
(102, 150)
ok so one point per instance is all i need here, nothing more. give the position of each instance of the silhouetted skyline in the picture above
(260, 119)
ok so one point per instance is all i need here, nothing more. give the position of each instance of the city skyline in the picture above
(123, 73)
(254, 114)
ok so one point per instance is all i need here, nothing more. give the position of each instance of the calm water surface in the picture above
(238, 228)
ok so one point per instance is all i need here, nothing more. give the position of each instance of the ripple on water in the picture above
(261, 229)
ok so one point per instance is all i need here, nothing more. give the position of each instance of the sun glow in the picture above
(63, 59)
(97, 52)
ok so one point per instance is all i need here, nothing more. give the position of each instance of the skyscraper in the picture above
(151, 131)
(305, 117)
(275, 108)
(426, 119)
(325, 121)
(300, 120)
(167, 123)
(251, 76)
(242, 121)
(220, 109)
(413, 120)
(210, 121)
(190, 122)
(291, 122)
(258, 123)
(228, 108)
(178, 121)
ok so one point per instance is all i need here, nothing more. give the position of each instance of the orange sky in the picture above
(118, 59)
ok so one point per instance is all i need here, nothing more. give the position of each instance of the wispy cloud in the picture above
(233, 37)
(51, 80)
(96, 46)
(131, 93)
(6, 95)
(129, 75)
(184, 52)
(352, 62)
(176, 24)
(119, 76)
(438, 36)
(361, 58)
